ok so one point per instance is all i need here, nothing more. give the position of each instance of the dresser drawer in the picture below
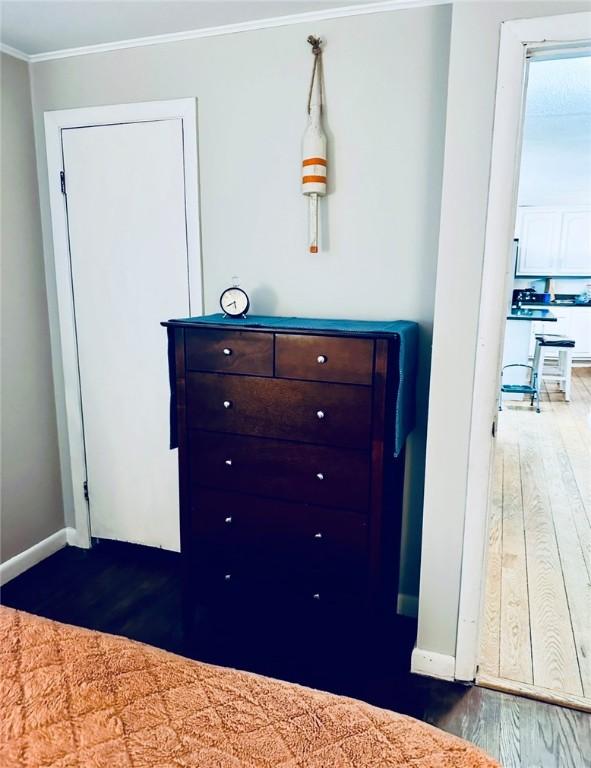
(324, 358)
(300, 536)
(244, 541)
(316, 474)
(234, 583)
(331, 414)
(229, 351)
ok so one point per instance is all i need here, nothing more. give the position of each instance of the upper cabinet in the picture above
(553, 241)
(538, 232)
(575, 242)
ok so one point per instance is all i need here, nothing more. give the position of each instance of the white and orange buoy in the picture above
(314, 162)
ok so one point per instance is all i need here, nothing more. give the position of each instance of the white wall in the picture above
(386, 80)
(470, 108)
(31, 502)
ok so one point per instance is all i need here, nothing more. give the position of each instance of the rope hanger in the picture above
(316, 44)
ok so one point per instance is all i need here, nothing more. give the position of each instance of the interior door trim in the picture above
(59, 280)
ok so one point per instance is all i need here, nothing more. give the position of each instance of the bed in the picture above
(76, 697)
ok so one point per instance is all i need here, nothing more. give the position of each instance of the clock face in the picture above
(234, 302)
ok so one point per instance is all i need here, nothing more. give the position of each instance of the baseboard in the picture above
(35, 554)
(75, 539)
(408, 605)
(432, 664)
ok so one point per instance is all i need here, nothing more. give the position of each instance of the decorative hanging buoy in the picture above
(314, 146)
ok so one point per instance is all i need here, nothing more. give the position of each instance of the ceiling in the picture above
(41, 26)
(559, 87)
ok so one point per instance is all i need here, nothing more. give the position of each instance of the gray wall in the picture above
(386, 80)
(31, 506)
(470, 109)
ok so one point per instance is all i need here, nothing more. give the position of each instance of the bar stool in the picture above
(563, 371)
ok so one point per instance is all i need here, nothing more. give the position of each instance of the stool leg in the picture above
(562, 369)
(536, 360)
(535, 398)
(538, 366)
(568, 362)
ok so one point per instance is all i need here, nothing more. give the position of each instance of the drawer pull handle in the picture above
(227, 577)
(227, 403)
(228, 520)
(227, 351)
(320, 475)
(320, 414)
(318, 535)
(321, 359)
(316, 596)
(228, 462)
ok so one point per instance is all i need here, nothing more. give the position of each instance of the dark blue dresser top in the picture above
(312, 324)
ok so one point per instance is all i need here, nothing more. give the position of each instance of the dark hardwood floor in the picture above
(136, 592)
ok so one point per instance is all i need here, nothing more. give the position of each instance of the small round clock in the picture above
(234, 302)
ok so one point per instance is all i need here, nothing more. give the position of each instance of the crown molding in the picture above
(14, 52)
(231, 29)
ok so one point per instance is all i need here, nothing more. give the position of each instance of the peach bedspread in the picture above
(74, 697)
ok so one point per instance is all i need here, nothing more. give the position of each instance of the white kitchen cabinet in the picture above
(575, 243)
(574, 322)
(538, 231)
(553, 241)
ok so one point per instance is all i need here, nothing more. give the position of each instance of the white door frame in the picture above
(55, 123)
(517, 39)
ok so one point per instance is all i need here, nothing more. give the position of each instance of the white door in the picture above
(125, 197)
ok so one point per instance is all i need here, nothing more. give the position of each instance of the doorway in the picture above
(126, 241)
(535, 633)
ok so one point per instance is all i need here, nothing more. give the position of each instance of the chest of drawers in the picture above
(290, 490)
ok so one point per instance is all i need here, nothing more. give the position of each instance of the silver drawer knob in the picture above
(228, 462)
(227, 351)
(316, 596)
(227, 577)
(321, 359)
(320, 475)
(320, 414)
(228, 520)
(227, 403)
(318, 535)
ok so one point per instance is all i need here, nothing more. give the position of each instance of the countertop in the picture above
(560, 300)
(526, 313)
(557, 304)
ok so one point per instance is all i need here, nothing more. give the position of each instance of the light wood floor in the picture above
(537, 610)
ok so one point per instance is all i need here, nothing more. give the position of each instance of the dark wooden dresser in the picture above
(291, 458)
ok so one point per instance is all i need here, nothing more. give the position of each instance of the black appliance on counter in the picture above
(528, 296)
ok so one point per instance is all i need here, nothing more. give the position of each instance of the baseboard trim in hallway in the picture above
(432, 664)
(20, 563)
(534, 692)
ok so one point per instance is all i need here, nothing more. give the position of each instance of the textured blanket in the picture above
(73, 697)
